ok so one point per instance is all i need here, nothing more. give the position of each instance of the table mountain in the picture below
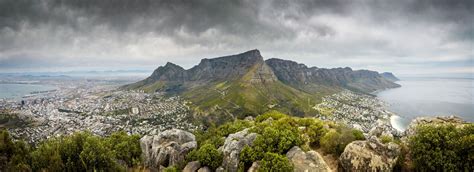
(244, 84)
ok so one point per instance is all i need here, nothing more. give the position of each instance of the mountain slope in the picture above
(315, 79)
(390, 76)
(244, 84)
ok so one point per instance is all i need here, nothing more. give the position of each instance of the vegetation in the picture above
(337, 139)
(275, 162)
(434, 147)
(207, 155)
(81, 151)
(385, 139)
(171, 169)
(444, 147)
(14, 155)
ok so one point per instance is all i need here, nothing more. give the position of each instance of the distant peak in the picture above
(254, 52)
(171, 65)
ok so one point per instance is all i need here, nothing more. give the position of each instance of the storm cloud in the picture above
(403, 36)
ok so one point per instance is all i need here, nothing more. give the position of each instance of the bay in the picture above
(430, 97)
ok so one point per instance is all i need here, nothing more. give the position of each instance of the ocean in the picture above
(17, 91)
(429, 97)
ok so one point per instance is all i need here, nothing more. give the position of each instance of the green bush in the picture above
(275, 163)
(443, 147)
(337, 139)
(247, 157)
(170, 169)
(215, 135)
(278, 137)
(125, 147)
(207, 155)
(385, 139)
(14, 155)
(314, 129)
(84, 152)
(275, 115)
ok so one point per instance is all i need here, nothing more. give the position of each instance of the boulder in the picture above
(192, 166)
(309, 161)
(205, 169)
(167, 148)
(232, 147)
(433, 121)
(369, 155)
(220, 169)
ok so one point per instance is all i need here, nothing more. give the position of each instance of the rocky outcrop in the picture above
(167, 148)
(232, 147)
(432, 121)
(204, 169)
(309, 161)
(192, 166)
(369, 155)
(254, 167)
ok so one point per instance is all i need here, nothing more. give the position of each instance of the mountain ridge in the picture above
(246, 84)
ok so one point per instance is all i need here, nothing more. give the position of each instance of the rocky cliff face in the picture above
(246, 84)
(299, 75)
(248, 66)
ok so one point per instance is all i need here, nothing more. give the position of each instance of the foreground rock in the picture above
(432, 121)
(232, 147)
(167, 148)
(369, 155)
(310, 161)
(192, 166)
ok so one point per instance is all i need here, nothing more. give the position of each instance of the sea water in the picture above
(17, 91)
(430, 97)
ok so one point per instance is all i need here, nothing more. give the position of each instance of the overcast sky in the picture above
(403, 36)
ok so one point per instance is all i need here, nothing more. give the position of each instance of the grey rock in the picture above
(232, 147)
(369, 155)
(167, 148)
(205, 169)
(192, 166)
(254, 167)
(309, 161)
(220, 169)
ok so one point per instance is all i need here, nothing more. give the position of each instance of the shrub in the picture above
(275, 115)
(215, 135)
(170, 169)
(84, 152)
(247, 157)
(278, 138)
(385, 139)
(314, 129)
(443, 147)
(275, 162)
(14, 155)
(125, 147)
(337, 139)
(207, 155)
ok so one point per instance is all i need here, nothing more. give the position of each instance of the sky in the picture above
(406, 37)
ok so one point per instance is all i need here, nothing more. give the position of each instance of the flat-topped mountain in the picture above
(245, 84)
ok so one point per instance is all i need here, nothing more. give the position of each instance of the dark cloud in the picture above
(155, 31)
